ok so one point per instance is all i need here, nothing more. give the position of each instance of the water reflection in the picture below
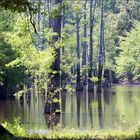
(84, 107)
(90, 100)
(106, 96)
(52, 120)
(100, 111)
(63, 99)
(78, 110)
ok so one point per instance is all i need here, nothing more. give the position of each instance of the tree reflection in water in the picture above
(78, 98)
(63, 106)
(82, 110)
(90, 100)
(100, 112)
(52, 120)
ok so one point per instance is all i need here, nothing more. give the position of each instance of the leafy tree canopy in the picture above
(17, 5)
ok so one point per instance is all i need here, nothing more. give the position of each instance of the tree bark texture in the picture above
(100, 63)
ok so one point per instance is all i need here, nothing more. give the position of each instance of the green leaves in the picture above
(17, 5)
(128, 62)
(56, 11)
(18, 54)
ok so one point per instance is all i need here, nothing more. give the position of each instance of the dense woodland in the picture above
(51, 44)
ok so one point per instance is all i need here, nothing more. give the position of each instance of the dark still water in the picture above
(117, 108)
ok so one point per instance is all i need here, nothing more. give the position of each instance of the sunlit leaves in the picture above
(19, 56)
(128, 61)
(15, 128)
(56, 11)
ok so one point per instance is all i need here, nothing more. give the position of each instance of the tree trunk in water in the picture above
(107, 81)
(63, 73)
(54, 84)
(84, 45)
(90, 83)
(2, 92)
(78, 84)
(100, 63)
(50, 5)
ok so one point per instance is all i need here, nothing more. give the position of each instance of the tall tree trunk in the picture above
(100, 63)
(44, 24)
(39, 27)
(54, 84)
(90, 70)
(56, 63)
(113, 6)
(63, 23)
(84, 45)
(78, 85)
(49, 7)
(63, 73)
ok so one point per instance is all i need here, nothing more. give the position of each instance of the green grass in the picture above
(77, 134)
(20, 133)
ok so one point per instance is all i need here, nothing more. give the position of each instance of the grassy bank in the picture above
(77, 134)
(96, 135)
(20, 133)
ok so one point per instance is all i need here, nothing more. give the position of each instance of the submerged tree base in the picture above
(79, 86)
(90, 86)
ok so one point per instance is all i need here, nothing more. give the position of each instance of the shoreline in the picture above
(126, 82)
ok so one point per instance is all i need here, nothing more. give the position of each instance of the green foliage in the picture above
(83, 134)
(20, 131)
(58, 133)
(56, 11)
(15, 128)
(119, 19)
(77, 7)
(94, 79)
(20, 5)
(128, 62)
(18, 55)
(137, 133)
(6, 53)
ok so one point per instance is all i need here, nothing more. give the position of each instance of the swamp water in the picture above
(119, 107)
